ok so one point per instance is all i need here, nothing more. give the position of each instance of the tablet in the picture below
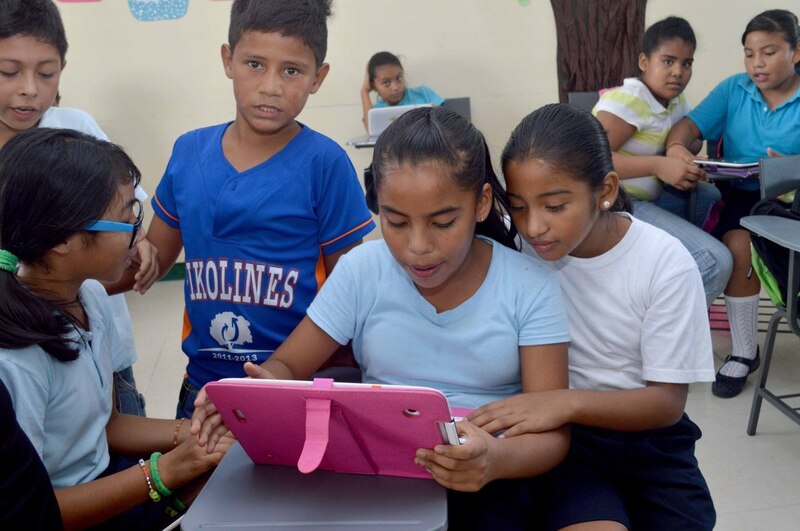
(728, 170)
(725, 163)
(346, 427)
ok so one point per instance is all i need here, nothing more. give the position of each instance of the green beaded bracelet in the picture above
(160, 487)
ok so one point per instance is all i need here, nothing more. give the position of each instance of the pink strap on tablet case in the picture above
(318, 417)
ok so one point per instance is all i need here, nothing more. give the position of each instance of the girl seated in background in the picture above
(444, 301)
(386, 77)
(68, 218)
(757, 114)
(639, 335)
(637, 117)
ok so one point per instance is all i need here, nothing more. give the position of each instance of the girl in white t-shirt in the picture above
(639, 335)
(69, 218)
(445, 301)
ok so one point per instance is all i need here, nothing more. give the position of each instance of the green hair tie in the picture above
(8, 261)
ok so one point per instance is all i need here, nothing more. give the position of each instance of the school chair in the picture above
(460, 106)
(583, 100)
(778, 176)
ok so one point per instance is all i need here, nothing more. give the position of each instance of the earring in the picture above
(606, 205)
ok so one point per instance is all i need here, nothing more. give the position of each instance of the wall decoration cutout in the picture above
(149, 10)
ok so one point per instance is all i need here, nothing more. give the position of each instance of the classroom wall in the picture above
(148, 82)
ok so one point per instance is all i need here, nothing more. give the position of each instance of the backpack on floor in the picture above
(770, 260)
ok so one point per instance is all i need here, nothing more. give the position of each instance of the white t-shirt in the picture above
(635, 104)
(637, 313)
(78, 120)
(64, 407)
(469, 353)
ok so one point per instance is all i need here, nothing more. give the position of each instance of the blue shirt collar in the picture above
(751, 88)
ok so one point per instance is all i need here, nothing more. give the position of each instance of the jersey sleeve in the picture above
(625, 105)
(163, 202)
(341, 208)
(335, 306)
(676, 338)
(542, 314)
(711, 114)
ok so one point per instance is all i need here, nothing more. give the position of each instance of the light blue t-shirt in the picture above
(415, 96)
(469, 353)
(64, 407)
(736, 111)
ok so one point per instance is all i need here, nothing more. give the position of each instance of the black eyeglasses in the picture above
(103, 225)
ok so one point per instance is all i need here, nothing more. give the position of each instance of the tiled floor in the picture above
(755, 481)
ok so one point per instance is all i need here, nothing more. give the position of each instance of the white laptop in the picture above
(379, 118)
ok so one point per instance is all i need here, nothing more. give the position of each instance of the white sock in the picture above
(743, 318)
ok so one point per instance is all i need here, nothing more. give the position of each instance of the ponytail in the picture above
(497, 224)
(27, 319)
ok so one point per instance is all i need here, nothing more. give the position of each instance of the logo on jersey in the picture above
(231, 330)
(241, 282)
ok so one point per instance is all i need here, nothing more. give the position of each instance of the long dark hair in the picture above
(436, 134)
(569, 139)
(53, 182)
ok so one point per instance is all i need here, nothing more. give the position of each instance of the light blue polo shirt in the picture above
(64, 407)
(470, 353)
(736, 111)
(415, 96)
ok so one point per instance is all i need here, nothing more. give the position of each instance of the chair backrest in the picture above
(779, 175)
(583, 100)
(459, 106)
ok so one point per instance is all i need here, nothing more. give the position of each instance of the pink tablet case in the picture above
(359, 430)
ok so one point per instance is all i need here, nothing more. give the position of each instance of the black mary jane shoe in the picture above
(729, 386)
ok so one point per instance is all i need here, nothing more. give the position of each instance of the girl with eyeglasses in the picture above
(68, 219)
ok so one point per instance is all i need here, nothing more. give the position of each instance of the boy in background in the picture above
(33, 48)
(263, 206)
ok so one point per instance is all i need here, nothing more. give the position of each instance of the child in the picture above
(637, 117)
(68, 215)
(385, 76)
(639, 335)
(33, 47)
(433, 304)
(757, 114)
(263, 206)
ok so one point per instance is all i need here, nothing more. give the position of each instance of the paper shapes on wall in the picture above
(149, 10)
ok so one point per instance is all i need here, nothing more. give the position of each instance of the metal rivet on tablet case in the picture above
(240, 416)
(411, 413)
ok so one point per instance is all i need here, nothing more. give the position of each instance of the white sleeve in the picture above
(676, 337)
(624, 105)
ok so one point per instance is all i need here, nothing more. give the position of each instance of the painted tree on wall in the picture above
(598, 43)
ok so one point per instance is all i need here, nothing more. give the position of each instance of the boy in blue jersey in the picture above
(263, 206)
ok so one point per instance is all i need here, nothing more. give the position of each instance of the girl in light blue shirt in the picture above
(385, 76)
(444, 301)
(756, 114)
(68, 219)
